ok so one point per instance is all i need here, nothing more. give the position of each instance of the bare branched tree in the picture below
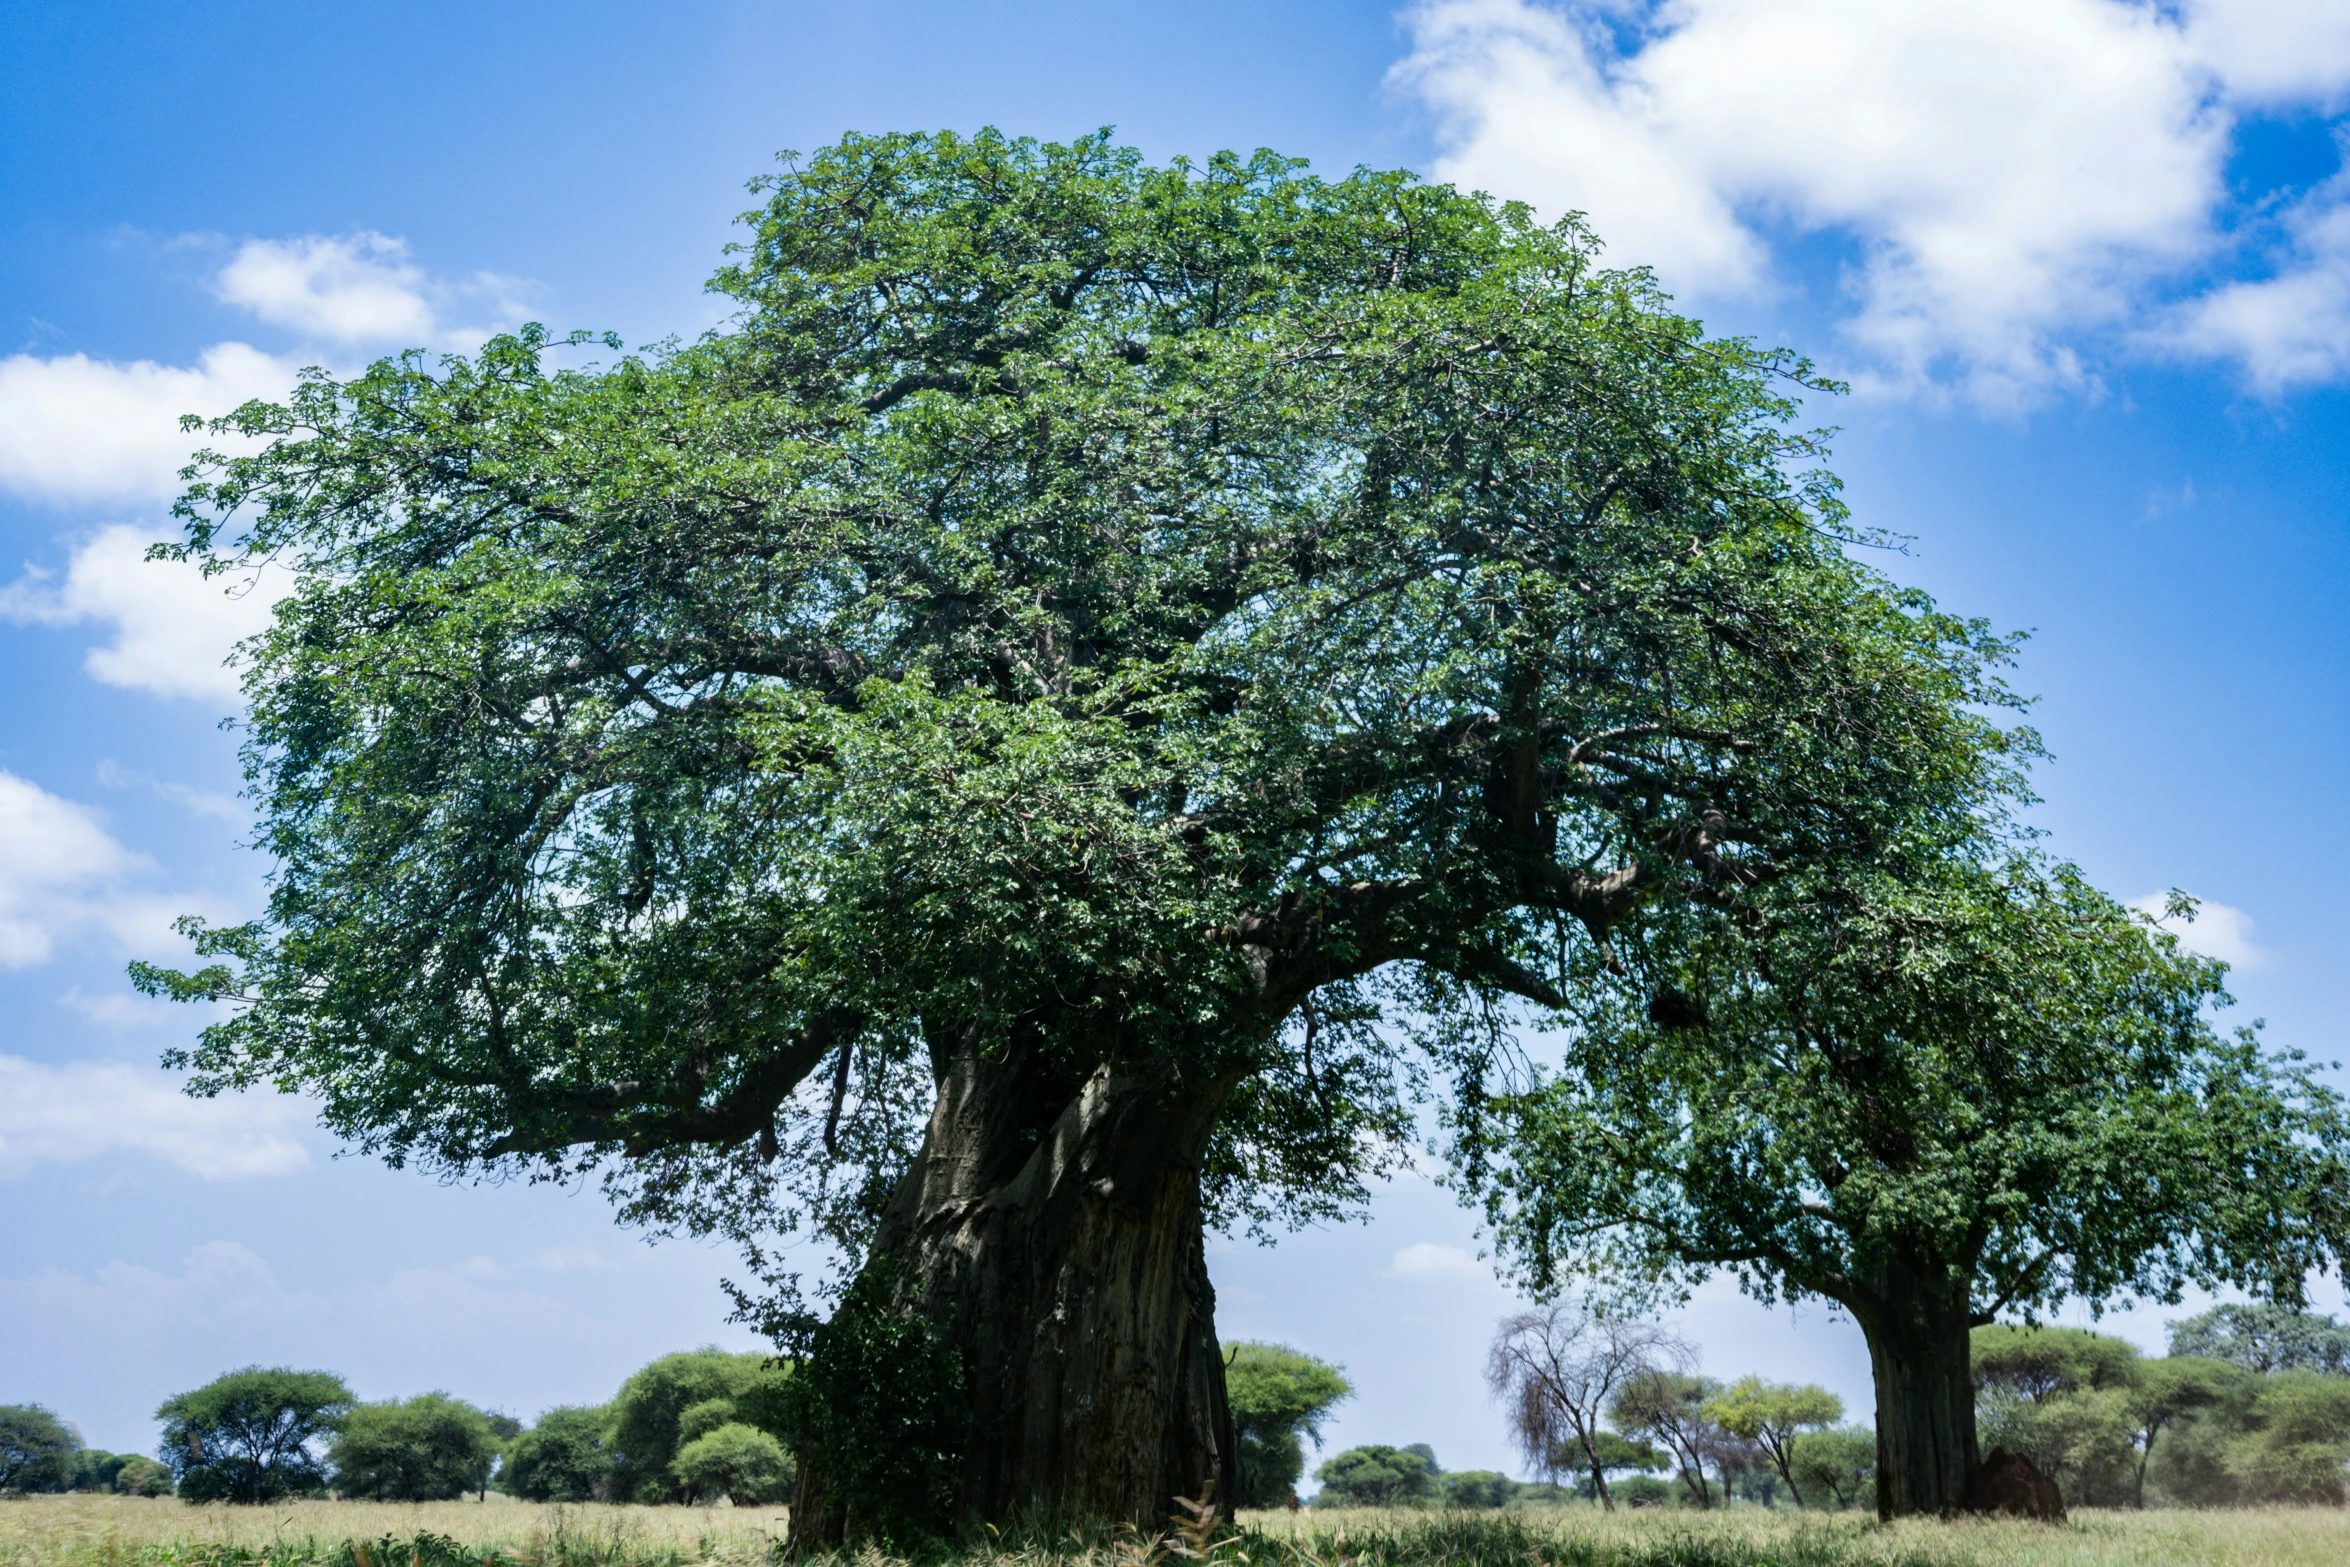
(1555, 1368)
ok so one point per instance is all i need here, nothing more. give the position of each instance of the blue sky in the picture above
(2086, 263)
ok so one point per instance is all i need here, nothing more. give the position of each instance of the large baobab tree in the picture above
(966, 757)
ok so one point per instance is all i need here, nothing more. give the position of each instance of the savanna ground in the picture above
(97, 1531)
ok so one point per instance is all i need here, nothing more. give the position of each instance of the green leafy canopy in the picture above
(1077, 609)
(1974, 1081)
(429, 1448)
(37, 1450)
(252, 1436)
(1278, 1397)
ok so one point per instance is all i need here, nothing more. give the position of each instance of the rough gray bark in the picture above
(1920, 1353)
(1054, 1239)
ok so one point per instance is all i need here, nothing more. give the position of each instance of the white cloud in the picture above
(1525, 110)
(2218, 930)
(64, 878)
(1435, 1260)
(576, 1258)
(2291, 329)
(81, 431)
(361, 288)
(56, 1114)
(2273, 49)
(77, 430)
(172, 629)
(61, 873)
(357, 287)
(2010, 172)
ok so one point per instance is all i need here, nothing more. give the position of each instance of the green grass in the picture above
(109, 1531)
(84, 1531)
(1754, 1537)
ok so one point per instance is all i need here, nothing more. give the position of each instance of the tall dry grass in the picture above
(123, 1531)
(1758, 1537)
(94, 1531)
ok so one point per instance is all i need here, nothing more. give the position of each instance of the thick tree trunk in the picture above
(1917, 1328)
(1053, 1239)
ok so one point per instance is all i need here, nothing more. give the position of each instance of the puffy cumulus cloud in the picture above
(2273, 50)
(80, 431)
(2289, 329)
(1526, 109)
(170, 629)
(356, 288)
(86, 1110)
(363, 288)
(2012, 174)
(2215, 930)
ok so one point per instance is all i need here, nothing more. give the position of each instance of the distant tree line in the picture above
(40, 1452)
(690, 1427)
(1377, 1476)
(2251, 1406)
(1591, 1397)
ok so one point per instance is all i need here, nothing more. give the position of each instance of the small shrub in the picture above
(1376, 1476)
(1642, 1491)
(1474, 1489)
(739, 1462)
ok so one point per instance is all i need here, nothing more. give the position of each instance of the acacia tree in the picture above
(2168, 1394)
(2264, 1337)
(2062, 1398)
(1839, 1464)
(965, 758)
(740, 1462)
(1378, 1476)
(1672, 1409)
(252, 1436)
(1556, 1369)
(1771, 1415)
(1278, 1396)
(1931, 1094)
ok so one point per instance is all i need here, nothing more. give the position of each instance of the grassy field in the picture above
(1753, 1537)
(129, 1531)
(92, 1531)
